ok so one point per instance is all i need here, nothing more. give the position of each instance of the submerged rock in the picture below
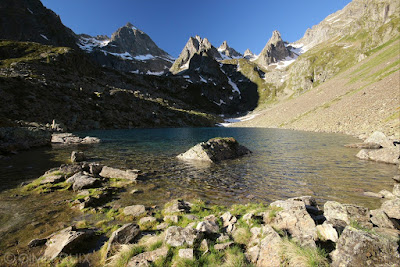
(135, 210)
(108, 172)
(70, 139)
(215, 149)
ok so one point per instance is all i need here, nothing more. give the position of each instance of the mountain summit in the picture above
(195, 45)
(228, 52)
(274, 50)
(129, 49)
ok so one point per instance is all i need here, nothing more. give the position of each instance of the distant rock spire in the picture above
(274, 50)
(224, 49)
(195, 45)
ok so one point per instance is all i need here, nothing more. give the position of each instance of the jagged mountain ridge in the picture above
(129, 49)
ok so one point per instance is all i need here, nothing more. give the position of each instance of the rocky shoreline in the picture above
(291, 232)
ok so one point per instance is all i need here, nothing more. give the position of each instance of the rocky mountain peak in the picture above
(224, 46)
(248, 54)
(134, 41)
(195, 45)
(274, 51)
(228, 52)
(276, 38)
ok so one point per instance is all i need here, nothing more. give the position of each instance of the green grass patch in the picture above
(295, 255)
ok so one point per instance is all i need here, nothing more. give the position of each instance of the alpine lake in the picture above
(284, 164)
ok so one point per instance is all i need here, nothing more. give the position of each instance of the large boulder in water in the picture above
(215, 149)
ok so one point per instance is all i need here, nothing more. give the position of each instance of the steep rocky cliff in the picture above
(29, 20)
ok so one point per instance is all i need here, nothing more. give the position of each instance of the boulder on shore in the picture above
(356, 248)
(108, 172)
(67, 241)
(215, 149)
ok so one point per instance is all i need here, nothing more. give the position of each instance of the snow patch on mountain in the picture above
(89, 43)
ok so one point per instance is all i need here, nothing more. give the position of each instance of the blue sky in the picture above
(170, 23)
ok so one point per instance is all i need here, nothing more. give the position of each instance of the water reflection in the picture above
(284, 164)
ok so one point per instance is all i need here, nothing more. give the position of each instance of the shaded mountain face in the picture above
(274, 51)
(129, 49)
(219, 87)
(228, 52)
(195, 45)
(29, 20)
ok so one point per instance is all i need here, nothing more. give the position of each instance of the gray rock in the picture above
(392, 208)
(208, 227)
(186, 253)
(223, 246)
(148, 219)
(77, 156)
(108, 172)
(204, 245)
(191, 217)
(90, 140)
(177, 236)
(52, 178)
(380, 219)
(396, 190)
(68, 241)
(81, 181)
(359, 248)
(228, 219)
(70, 169)
(95, 168)
(334, 212)
(162, 226)
(135, 210)
(380, 139)
(126, 234)
(387, 194)
(296, 220)
(397, 177)
(146, 258)
(327, 232)
(385, 155)
(178, 206)
(215, 150)
(268, 252)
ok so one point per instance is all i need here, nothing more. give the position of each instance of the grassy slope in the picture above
(359, 100)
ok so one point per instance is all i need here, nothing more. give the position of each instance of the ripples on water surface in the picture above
(284, 164)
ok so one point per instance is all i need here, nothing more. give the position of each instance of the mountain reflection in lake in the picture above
(284, 164)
